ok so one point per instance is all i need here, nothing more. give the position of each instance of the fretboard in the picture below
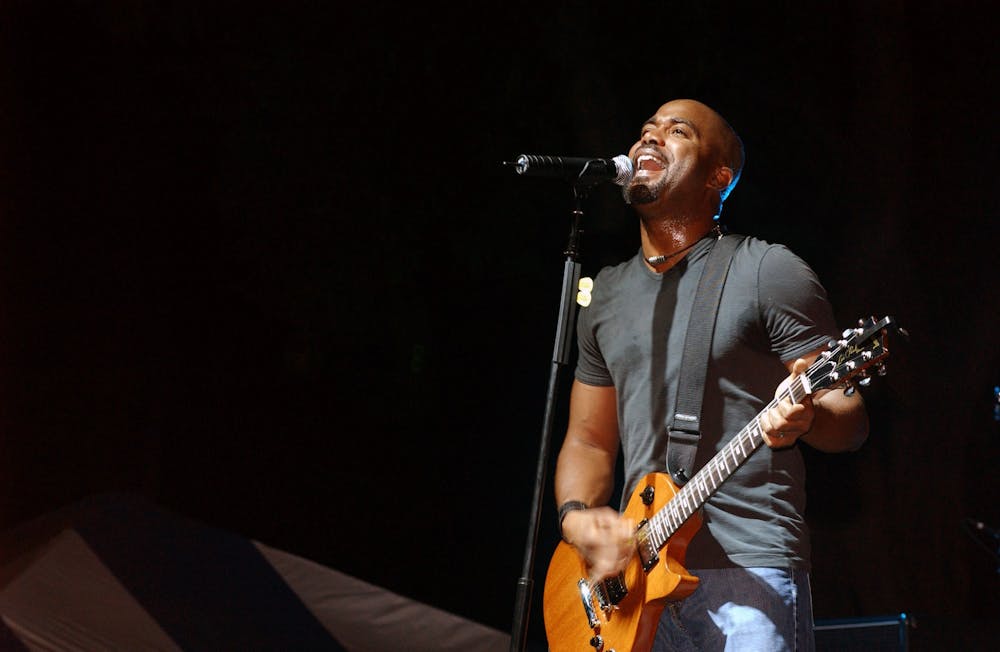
(710, 477)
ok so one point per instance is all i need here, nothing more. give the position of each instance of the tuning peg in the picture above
(849, 389)
(865, 381)
(881, 369)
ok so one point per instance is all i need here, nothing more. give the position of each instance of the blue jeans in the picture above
(752, 609)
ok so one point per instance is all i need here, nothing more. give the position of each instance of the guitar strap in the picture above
(684, 431)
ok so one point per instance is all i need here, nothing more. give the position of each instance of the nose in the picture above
(651, 137)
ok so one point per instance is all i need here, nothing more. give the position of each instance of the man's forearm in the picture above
(584, 473)
(840, 424)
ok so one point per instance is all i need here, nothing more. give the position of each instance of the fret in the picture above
(700, 489)
(672, 518)
(678, 520)
(709, 481)
(742, 441)
(692, 502)
(656, 535)
(799, 389)
(705, 492)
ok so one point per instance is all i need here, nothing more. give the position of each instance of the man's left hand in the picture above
(787, 421)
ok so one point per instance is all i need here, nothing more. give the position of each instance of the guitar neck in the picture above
(709, 478)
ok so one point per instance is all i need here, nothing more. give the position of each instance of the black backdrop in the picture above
(261, 264)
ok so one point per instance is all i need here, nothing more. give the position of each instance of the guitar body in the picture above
(631, 626)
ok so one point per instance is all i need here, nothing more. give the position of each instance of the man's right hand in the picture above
(603, 537)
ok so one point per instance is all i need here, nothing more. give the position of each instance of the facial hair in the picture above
(642, 192)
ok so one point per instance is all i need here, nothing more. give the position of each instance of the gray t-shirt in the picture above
(631, 336)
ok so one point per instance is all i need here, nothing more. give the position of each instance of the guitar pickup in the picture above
(647, 553)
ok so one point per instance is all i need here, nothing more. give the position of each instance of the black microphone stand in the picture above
(560, 357)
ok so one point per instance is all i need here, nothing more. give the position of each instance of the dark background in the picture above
(261, 264)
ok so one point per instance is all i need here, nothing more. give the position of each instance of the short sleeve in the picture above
(591, 368)
(794, 306)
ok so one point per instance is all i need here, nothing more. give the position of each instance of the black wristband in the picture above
(565, 509)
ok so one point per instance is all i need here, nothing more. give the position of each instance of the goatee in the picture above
(639, 193)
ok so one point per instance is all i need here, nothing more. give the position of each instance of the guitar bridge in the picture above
(610, 592)
(607, 594)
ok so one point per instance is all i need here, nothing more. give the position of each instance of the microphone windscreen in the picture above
(623, 165)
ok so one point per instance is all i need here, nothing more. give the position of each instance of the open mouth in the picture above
(649, 163)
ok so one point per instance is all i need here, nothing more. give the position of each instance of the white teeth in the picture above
(649, 157)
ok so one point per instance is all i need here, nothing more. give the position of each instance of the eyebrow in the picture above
(673, 120)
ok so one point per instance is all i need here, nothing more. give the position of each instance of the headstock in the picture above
(849, 359)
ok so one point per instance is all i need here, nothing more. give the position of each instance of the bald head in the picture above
(725, 144)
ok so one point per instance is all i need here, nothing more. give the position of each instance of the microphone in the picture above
(572, 168)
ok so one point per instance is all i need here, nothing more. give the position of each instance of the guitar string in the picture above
(655, 524)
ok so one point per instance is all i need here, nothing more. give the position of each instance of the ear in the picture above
(721, 178)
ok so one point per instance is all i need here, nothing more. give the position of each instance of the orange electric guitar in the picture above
(621, 613)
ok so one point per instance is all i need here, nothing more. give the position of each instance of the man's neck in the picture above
(667, 240)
